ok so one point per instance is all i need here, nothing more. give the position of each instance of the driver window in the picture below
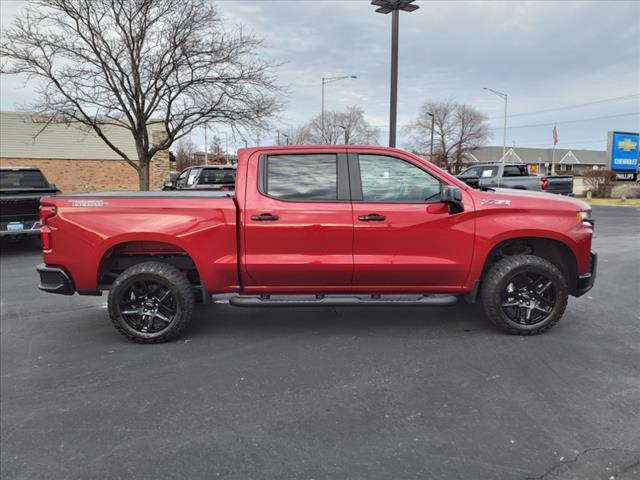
(392, 180)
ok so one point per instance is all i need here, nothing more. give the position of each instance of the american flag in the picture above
(555, 135)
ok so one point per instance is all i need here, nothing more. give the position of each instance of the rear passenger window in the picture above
(515, 171)
(302, 177)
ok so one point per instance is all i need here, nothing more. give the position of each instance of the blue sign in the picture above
(624, 152)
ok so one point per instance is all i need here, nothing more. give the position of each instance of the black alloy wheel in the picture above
(528, 298)
(151, 302)
(148, 305)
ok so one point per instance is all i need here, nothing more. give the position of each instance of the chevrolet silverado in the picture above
(322, 225)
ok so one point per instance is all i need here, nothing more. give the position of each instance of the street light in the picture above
(504, 138)
(326, 80)
(394, 7)
(346, 134)
(431, 144)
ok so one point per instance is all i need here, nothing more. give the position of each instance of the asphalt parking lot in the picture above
(325, 393)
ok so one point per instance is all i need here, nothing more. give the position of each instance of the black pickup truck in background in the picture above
(20, 192)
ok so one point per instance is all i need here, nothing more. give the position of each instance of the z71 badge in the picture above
(497, 203)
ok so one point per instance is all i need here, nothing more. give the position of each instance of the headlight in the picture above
(585, 216)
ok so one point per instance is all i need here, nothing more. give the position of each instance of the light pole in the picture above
(394, 7)
(431, 144)
(286, 138)
(346, 134)
(504, 138)
(326, 80)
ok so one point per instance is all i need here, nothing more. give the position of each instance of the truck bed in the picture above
(89, 227)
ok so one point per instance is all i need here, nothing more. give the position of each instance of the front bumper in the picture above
(586, 281)
(54, 280)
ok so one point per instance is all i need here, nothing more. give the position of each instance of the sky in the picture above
(571, 63)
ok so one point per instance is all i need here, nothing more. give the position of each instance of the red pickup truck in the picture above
(322, 225)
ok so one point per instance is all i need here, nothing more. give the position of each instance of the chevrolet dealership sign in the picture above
(623, 151)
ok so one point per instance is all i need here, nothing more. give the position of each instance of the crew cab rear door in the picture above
(297, 220)
(404, 238)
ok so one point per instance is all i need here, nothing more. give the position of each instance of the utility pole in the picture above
(431, 143)
(504, 136)
(206, 146)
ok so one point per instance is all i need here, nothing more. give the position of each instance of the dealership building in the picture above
(539, 160)
(621, 157)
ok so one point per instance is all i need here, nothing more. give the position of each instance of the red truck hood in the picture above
(529, 199)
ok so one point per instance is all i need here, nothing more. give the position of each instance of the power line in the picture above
(569, 121)
(567, 107)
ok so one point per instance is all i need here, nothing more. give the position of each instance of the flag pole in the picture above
(553, 154)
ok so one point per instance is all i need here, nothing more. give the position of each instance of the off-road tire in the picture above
(180, 288)
(497, 279)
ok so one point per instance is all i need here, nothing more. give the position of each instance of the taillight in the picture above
(46, 212)
(544, 183)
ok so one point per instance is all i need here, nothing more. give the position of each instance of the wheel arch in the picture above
(552, 249)
(117, 256)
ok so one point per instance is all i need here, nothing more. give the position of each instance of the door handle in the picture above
(372, 217)
(264, 217)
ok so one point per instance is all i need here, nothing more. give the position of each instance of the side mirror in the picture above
(473, 182)
(168, 185)
(452, 196)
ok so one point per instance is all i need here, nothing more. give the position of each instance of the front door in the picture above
(298, 230)
(404, 238)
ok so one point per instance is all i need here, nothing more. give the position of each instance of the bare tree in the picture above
(339, 127)
(130, 63)
(295, 136)
(458, 129)
(184, 151)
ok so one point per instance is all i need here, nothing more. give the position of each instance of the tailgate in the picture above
(20, 208)
(560, 184)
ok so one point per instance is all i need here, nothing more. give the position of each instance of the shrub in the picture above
(599, 182)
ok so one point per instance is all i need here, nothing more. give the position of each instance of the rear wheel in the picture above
(151, 302)
(524, 294)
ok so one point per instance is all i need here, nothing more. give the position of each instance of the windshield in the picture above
(22, 179)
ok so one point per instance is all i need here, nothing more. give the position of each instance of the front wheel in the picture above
(524, 294)
(151, 302)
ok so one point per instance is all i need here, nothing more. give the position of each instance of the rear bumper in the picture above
(586, 281)
(54, 280)
(28, 227)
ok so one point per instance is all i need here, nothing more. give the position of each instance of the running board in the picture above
(342, 300)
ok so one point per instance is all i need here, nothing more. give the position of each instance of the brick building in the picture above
(74, 159)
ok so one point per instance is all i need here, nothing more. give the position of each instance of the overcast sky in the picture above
(545, 55)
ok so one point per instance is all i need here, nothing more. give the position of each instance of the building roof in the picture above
(21, 137)
(537, 155)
